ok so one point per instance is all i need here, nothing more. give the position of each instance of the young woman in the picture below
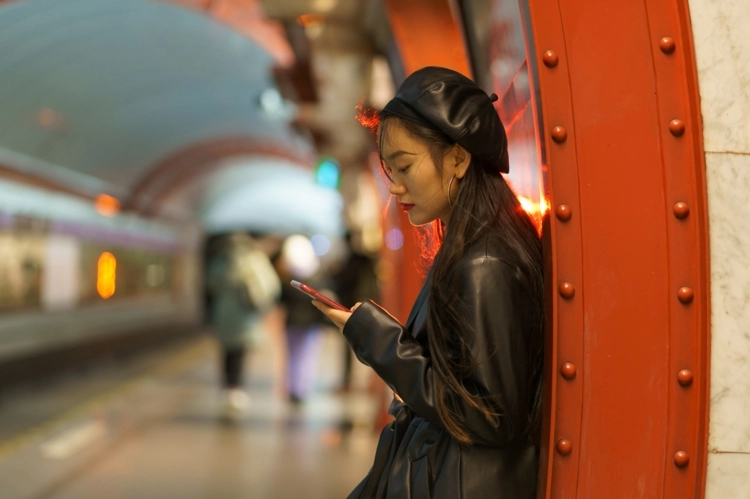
(467, 366)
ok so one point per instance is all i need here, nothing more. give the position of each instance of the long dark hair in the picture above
(485, 203)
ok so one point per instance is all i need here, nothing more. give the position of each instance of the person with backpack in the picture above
(242, 286)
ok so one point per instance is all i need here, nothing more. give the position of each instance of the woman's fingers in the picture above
(338, 317)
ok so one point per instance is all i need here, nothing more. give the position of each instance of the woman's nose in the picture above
(396, 189)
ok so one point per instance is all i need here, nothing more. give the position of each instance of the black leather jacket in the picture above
(416, 457)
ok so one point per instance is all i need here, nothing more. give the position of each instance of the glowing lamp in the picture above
(107, 205)
(106, 275)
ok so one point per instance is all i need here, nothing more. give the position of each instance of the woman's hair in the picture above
(485, 203)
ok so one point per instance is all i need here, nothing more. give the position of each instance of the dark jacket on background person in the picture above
(416, 457)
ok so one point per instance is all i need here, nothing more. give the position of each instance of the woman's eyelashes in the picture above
(389, 172)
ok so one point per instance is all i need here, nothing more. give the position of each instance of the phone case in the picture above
(317, 295)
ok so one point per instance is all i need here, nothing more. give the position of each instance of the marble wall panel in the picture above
(729, 223)
(722, 47)
(728, 476)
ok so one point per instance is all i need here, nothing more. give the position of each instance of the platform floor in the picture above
(154, 426)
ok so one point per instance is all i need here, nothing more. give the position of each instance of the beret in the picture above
(443, 99)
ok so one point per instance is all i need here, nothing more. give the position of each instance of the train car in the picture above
(77, 272)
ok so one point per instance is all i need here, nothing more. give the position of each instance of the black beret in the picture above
(442, 99)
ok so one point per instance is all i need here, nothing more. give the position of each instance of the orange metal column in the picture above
(685, 206)
(565, 375)
(629, 264)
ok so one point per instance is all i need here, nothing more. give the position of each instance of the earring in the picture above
(450, 184)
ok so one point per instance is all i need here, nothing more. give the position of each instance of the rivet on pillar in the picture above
(667, 45)
(568, 370)
(563, 212)
(677, 127)
(685, 295)
(685, 377)
(550, 59)
(567, 290)
(559, 134)
(564, 447)
(681, 210)
(681, 459)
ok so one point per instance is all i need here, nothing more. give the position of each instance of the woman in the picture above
(467, 366)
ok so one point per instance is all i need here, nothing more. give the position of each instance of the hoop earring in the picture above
(450, 184)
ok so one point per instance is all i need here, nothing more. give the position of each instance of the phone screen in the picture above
(317, 295)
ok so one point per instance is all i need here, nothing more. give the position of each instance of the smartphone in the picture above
(312, 293)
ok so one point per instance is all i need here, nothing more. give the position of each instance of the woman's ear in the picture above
(462, 159)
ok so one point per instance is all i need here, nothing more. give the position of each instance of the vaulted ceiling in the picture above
(97, 92)
(139, 99)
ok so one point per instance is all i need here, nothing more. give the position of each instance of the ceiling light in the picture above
(324, 5)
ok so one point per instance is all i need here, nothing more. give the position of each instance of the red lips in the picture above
(406, 206)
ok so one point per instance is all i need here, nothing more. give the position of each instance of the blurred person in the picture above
(243, 287)
(354, 281)
(303, 325)
(467, 366)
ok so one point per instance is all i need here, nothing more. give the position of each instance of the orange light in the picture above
(307, 20)
(533, 208)
(106, 275)
(107, 205)
(536, 210)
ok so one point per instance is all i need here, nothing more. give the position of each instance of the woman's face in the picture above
(421, 188)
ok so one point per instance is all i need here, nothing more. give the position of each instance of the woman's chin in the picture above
(416, 220)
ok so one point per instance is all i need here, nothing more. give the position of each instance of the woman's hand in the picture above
(338, 317)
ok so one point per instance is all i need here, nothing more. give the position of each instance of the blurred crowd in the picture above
(248, 294)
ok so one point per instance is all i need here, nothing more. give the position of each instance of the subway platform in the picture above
(154, 426)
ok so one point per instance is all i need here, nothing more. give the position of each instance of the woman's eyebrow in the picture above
(398, 154)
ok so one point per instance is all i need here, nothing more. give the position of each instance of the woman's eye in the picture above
(402, 170)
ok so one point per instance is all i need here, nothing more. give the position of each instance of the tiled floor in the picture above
(155, 428)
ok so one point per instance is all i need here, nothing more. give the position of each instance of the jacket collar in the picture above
(419, 309)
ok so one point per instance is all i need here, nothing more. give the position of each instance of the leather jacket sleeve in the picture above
(496, 307)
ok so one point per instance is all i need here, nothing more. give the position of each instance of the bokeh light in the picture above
(107, 205)
(327, 173)
(106, 275)
(300, 256)
(321, 244)
(394, 239)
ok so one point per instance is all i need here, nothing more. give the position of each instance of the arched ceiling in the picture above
(245, 193)
(97, 92)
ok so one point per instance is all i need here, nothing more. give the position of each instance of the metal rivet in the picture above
(676, 127)
(681, 459)
(568, 370)
(681, 210)
(550, 59)
(667, 44)
(559, 134)
(563, 212)
(564, 447)
(685, 377)
(567, 290)
(685, 295)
